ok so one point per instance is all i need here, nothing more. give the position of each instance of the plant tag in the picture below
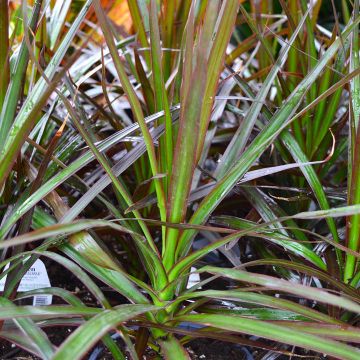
(194, 278)
(35, 278)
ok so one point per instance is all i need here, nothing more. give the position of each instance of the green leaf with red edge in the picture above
(118, 280)
(81, 340)
(65, 229)
(278, 122)
(257, 299)
(17, 337)
(191, 98)
(35, 101)
(289, 287)
(311, 271)
(337, 332)
(73, 300)
(31, 331)
(201, 69)
(185, 262)
(291, 336)
(160, 94)
(241, 136)
(8, 108)
(43, 312)
(353, 223)
(135, 107)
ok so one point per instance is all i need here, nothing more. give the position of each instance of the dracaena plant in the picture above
(208, 124)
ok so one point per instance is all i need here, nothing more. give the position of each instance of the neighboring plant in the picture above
(217, 127)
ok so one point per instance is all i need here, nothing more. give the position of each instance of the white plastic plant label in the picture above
(35, 278)
(194, 278)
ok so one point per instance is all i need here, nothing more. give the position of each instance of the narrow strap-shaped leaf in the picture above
(281, 119)
(260, 299)
(222, 33)
(81, 340)
(79, 273)
(52, 66)
(297, 153)
(308, 270)
(119, 186)
(14, 90)
(240, 138)
(275, 332)
(161, 98)
(140, 17)
(277, 237)
(116, 279)
(73, 300)
(190, 259)
(344, 333)
(18, 312)
(57, 20)
(271, 282)
(34, 102)
(135, 106)
(198, 90)
(17, 337)
(77, 164)
(4, 50)
(32, 331)
(353, 223)
(180, 180)
(105, 180)
(63, 230)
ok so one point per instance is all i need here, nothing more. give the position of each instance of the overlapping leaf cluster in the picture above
(224, 130)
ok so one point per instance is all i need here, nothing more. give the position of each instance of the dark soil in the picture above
(215, 350)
